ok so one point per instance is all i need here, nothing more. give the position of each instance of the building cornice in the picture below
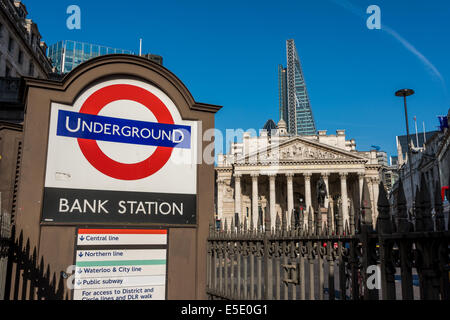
(302, 162)
(288, 164)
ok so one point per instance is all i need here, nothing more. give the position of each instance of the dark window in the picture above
(1, 30)
(31, 69)
(7, 72)
(20, 58)
(10, 44)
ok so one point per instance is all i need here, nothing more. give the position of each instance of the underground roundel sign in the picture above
(121, 153)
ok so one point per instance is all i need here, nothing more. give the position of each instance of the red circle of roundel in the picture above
(92, 152)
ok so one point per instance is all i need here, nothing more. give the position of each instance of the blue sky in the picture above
(227, 53)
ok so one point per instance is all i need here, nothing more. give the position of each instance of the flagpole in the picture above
(417, 135)
(424, 134)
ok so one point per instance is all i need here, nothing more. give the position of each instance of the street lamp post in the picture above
(406, 93)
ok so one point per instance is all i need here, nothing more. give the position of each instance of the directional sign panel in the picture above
(117, 264)
(121, 153)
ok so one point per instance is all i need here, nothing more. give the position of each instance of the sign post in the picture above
(112, 174)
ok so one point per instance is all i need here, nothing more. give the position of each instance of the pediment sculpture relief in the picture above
(296, 152)
(301, 152)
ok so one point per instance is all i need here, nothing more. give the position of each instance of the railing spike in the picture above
(259, 222)
(220, 226)
(267, 222)
(301, 220)
(319, 226)
(277, 223)
(293, 226)
(426, 204)
(284, 221)
(233, 227)
(330, 219)
(366, 207)
(384, 225)
(340, 218)
(352, 218)
(418, 211)
(403, 224)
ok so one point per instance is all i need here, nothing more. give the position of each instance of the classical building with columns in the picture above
(277, 173)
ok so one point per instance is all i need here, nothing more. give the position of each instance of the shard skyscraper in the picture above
(295, 107)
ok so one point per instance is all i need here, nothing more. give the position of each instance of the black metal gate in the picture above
(405, 256)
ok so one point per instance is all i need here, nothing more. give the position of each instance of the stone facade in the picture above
(22, 53)
(278, 173)
(443, 158)
(432, 161)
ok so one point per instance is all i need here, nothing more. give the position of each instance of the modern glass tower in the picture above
(66, 55)
(295, 107)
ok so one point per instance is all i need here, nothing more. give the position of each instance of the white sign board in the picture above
(121, 264)
(121, 153)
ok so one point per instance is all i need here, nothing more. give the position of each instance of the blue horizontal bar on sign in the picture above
(94, 127)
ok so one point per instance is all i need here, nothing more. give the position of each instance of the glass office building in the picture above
(295, 107)
(66, 55)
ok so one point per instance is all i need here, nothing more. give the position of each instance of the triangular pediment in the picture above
(301, 149)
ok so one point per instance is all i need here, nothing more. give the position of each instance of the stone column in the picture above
(369, 182)
(273, 215)
(375, 181)
(220, 185)
(326, 176)
(308, 202)
(237, 194)
(290, 196)
(255, 212)
(344, 197)
(361, 177)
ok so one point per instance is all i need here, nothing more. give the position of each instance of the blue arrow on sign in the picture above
(80, 254)
(81, 238)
